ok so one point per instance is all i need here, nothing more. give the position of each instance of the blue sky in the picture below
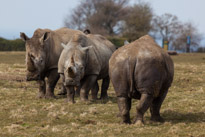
(27, 15)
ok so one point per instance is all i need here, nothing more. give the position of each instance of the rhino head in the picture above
(35, 55)
(74, 63)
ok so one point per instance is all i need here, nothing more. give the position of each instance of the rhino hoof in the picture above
(69, 101)
(40, 96)
(104, 97)
(50, 96)
(126, 122)
(139, 123)
(157, 119)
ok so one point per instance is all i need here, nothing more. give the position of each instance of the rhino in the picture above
(141, 70)
(84, 61)
(42, 53)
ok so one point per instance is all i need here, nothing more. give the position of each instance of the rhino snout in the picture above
(71, 82)
(30, 77)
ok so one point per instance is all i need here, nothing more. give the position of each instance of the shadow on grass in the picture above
(98, 101)
(176, 117)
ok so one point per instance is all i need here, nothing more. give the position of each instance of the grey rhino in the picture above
(42, 53)
(141, 70)
(83, 61)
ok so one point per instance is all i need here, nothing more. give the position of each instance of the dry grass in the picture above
(21, 114)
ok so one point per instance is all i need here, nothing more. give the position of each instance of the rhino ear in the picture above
(45, 37)
(23, 36)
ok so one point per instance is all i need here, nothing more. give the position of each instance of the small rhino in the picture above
(83, 61)
(144, 71)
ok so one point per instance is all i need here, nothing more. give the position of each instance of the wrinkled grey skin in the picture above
(144, 71)
(42, 53)
(83, 61)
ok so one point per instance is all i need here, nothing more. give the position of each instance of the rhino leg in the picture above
(144, 104)
(155, 107)
(77, 91)
(124, 105)
(94, 91)
(104, 88)
(87, 84)
(63, 89)
(51, 83)
(70, 94)
(42, 88)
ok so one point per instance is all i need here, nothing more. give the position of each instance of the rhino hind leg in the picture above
(42, 88)
(51, 83)
(94, 91)
(104, 88)
(155, 107)
(124, 105)
(143, 105)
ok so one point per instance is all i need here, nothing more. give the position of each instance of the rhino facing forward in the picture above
(42, 53)
(141, 70)
(83, 61)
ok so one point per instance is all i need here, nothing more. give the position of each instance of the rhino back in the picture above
(62, 35)
(103, 50)
(142, 64)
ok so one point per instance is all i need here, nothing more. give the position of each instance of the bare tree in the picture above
(166, 25)
(187, 29)
(138, 21)
(100, 16)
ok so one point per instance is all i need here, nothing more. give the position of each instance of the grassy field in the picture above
(22, 114)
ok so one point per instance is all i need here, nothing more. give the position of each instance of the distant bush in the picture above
(118, 42)
(12, 45)
(201, 50)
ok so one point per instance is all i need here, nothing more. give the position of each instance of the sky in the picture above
(27, 15)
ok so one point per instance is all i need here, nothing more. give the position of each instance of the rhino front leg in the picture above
(63, 89)
(87, 84)
(77, 91)
(124, 105)
(51, 83)
(70, 94)
(144, 104)
(94, 91)
(104, 88)
(42, 88)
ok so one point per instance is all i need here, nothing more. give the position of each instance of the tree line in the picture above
(11, 45)
(119, 19)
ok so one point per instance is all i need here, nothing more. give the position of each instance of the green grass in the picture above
(22, 114)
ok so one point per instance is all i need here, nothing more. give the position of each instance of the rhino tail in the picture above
(131, 70)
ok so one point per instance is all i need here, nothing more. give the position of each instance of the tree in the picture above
(138, 21)
(166, 26)
(169, 28)
(100, 16)
(187, 29)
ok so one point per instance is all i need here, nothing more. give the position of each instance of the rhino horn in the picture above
(63, 45)
(86, 48)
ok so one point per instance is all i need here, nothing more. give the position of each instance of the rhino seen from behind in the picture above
(42, 53)
(144, 71)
